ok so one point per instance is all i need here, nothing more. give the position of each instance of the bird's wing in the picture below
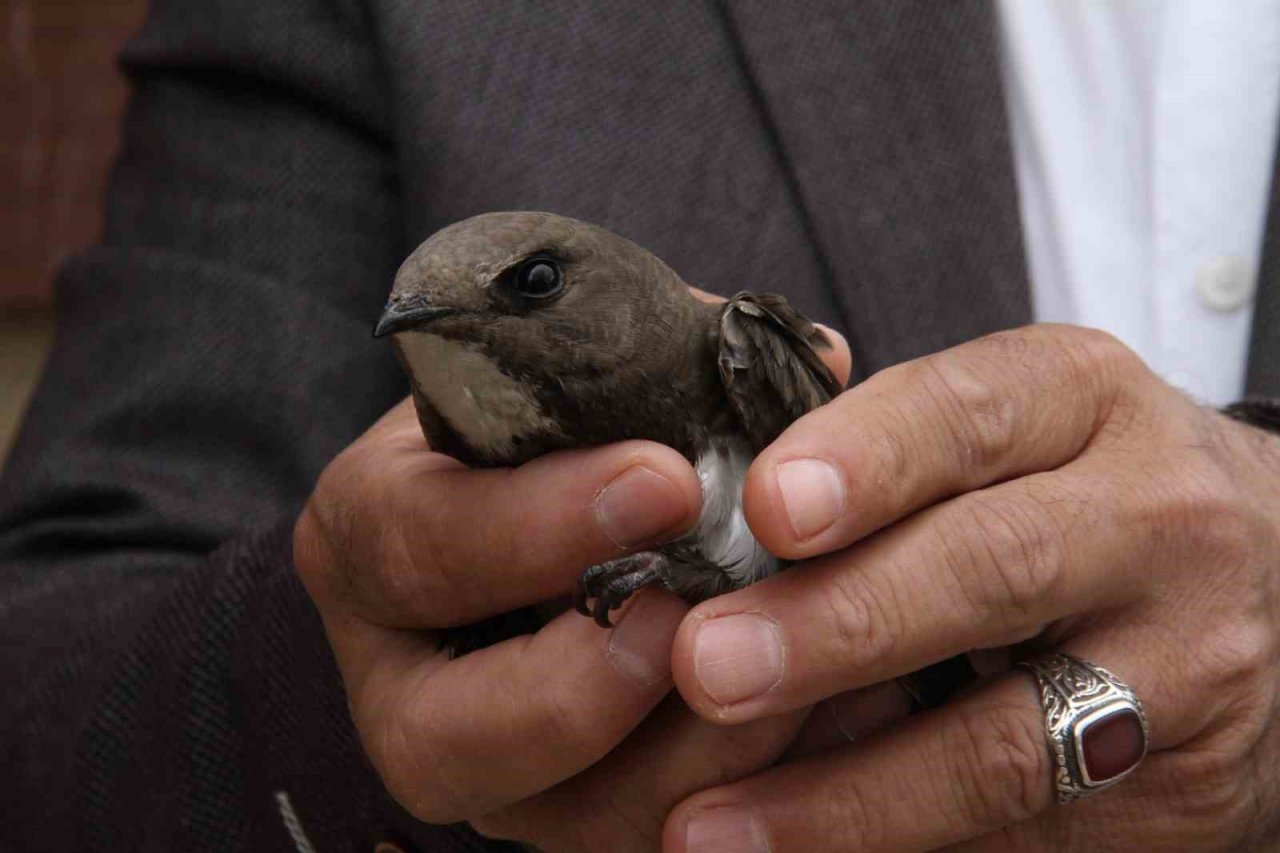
(769, 364)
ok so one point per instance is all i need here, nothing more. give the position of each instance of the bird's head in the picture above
(536, 293)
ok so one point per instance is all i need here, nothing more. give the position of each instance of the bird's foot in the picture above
(614, 582)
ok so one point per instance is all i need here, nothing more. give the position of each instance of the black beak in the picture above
(398, 316)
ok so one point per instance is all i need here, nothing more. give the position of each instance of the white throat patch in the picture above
(482, 404)
(722, 532)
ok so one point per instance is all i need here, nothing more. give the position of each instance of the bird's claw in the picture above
(612, 583)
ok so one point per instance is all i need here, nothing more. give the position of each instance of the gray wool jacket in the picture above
(170, 687)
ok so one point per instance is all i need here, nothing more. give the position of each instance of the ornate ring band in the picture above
(1095, 725)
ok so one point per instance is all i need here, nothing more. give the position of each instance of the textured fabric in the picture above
(1263, 377)
(890, 126)
(168, 674)
(1122, 115)
(1259, 412)
(171, 688)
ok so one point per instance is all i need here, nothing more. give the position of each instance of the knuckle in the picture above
(982, 419)
(422, 567)
(1235, 662)
(1003, 766)
(342, 485)
(1106, 370)
(893, 422)
(1100, 354)
(849, 813)
(1215, 524)
(1009, 558)
(388, 560)
(1212, 785)
(352, 515)
(890, 458)
(881, 447)
(1099, 361)
(321, 557)
(863, 621)
(391, 580)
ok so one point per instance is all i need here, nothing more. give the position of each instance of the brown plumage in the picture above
(524, 333)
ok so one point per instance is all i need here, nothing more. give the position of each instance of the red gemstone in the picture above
(1111, 745)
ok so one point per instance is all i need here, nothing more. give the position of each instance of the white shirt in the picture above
(1144, 133)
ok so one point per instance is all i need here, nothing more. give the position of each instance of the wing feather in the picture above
(769, 364)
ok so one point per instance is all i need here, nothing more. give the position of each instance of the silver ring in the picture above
(1095, 725)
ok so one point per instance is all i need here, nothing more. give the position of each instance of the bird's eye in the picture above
(539, 278)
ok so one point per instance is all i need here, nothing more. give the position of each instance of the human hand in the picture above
(1039, 486)
(547, 739)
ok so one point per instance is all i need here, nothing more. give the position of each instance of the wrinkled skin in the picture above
(1039, 488)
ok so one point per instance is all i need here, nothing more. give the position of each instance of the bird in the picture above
(526, 332)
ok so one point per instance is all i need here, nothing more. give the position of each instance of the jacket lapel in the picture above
(890, 120)
(1263, 377)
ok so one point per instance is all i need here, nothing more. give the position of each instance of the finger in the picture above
(849, 717)
(422, 542)
(461, 738)
(1198, 797)
(959, 772)
(986, 569)
(838, 359)
(936, 778)
(986, 411)
(620, 803)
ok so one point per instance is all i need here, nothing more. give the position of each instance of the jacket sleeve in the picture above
(169, 685)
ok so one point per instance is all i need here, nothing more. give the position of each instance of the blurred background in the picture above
(58, 138)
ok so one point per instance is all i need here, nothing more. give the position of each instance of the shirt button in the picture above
(1225, 284)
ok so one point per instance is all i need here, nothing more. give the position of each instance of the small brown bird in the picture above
(524, 333)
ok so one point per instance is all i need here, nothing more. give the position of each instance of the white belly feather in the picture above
(722, 532)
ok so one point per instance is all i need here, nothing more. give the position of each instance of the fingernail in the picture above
(640, 643)
(638, 506)
(812, 494)
(737, 657)
(724, 830)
